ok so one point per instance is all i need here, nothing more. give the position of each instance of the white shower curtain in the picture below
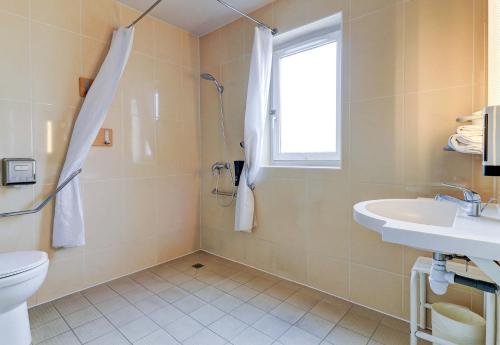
(69, 228)
(259, 83)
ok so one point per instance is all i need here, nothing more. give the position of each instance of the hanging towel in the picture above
(69, 228)
(259, 83)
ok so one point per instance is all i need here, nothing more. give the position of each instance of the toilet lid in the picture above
(18, 262)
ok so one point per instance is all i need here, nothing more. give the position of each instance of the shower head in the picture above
(211, 78)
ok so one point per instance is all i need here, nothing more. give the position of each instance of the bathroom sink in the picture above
(419, 211)
(436, 226)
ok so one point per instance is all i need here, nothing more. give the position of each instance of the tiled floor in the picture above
(221, 303)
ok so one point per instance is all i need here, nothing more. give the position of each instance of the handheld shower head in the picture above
(211, 78)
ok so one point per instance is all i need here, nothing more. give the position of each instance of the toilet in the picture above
(21, 275)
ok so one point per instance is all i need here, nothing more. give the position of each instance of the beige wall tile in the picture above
(428, 123)
(100, 18)
(52, 127)
(56, 59)
(328, 274)
(20, 7)
(169, 43)
(377, 289)
(438, 44)
(144, 39)
(190, 51)
(362, 7)
(64, 14)
(377, 37)
(14, 62)
(377, 140)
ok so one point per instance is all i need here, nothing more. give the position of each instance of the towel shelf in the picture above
(222, 193)
(44, 202)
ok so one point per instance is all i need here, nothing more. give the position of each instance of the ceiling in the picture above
(197, 16)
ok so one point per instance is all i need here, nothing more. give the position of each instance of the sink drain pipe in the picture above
(440, 277)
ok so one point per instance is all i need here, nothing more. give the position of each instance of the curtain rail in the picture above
(274, 31)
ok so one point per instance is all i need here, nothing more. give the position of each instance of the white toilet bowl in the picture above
(21, 275)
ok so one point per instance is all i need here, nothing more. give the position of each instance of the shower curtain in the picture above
(259, 83)
(69, 230)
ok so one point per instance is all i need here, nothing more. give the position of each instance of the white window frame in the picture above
(293, 46)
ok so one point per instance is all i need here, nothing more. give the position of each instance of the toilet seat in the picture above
(18, 262)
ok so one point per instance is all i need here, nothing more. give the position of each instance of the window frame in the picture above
(293, 46)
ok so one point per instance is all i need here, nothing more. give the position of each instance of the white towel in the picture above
(470, 130)
(473, 148)
(69, 230)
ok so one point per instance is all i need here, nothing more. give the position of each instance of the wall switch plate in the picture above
(18, 171)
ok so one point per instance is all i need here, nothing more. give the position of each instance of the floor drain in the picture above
(197, 266)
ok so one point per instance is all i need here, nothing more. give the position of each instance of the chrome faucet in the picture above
(471, 202)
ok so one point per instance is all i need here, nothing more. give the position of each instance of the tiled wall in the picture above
(409, 68)
(141, 197)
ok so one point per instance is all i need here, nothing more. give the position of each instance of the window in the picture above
(305, 96)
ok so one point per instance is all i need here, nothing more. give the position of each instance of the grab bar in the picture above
(46, 201)
(218, 192)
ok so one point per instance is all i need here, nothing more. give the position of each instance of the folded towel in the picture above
(469, 139)
(457, 145)
(472, 130)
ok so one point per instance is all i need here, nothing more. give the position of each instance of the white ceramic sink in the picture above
(437, 226)
(419, 211)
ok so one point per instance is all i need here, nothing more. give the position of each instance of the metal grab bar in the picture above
(218, 192)
(46, 201)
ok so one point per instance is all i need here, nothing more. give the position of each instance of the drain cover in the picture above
(197, 266)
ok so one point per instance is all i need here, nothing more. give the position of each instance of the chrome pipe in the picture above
(274, 31)
(145, 13)
(44, 202)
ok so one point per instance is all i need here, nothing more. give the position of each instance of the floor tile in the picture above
(112, 304)
(272, 326)
(227, 285)
(99, 293)
(71, 303)
(113, 338)
(288, 312)
(227, 303)
(389, 336)
(183, 328)
(265, 302)
(193, 285)
(251, 336)
(359, 324)
(137, 295)
(42, 314)
(139, 328)
(93, 330)
(280, 292)
(244, 293)
(124, 285)
(166, 315)
(67, 338)
(343, 336)
(303, 300)
(150, 304)
(248, 313)
(315, 325)
(239, 306)
(82, 316)
(158, 337)
(207, 314)
(205, 337)
(189, 304)
(123, 316)
(260, 283)
(209, 293)
(329, 311)
(49, 330)
(228, 327)
(173, 294)
(297, 336)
